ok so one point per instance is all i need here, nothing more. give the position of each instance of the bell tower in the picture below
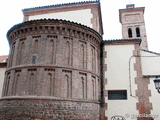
(133, 24)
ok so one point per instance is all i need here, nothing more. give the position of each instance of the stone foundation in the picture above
(47, 109)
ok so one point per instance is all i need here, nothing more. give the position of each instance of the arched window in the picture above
(130, 33)
(138, 32)
(34, 59)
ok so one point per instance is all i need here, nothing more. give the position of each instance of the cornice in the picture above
(45, 26)
(129, 11)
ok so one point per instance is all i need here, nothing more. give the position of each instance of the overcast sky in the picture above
(11, 14)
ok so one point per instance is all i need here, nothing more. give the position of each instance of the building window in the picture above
(34, 58)
(130, 33)
(138, 32)
(117, 95)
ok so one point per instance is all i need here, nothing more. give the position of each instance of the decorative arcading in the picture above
(51, 67)
(52, 26)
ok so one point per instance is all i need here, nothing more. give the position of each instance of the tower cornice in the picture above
(137, 9)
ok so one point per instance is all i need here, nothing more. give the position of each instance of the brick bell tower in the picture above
(133, 24)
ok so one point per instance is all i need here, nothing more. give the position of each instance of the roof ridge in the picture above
(62, 4)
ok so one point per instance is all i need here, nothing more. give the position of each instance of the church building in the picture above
(61, 68)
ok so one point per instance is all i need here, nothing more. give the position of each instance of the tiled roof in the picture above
(3, 59)
(63, 4)
(122, 41)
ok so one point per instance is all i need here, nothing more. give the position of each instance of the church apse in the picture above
(51, 74)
